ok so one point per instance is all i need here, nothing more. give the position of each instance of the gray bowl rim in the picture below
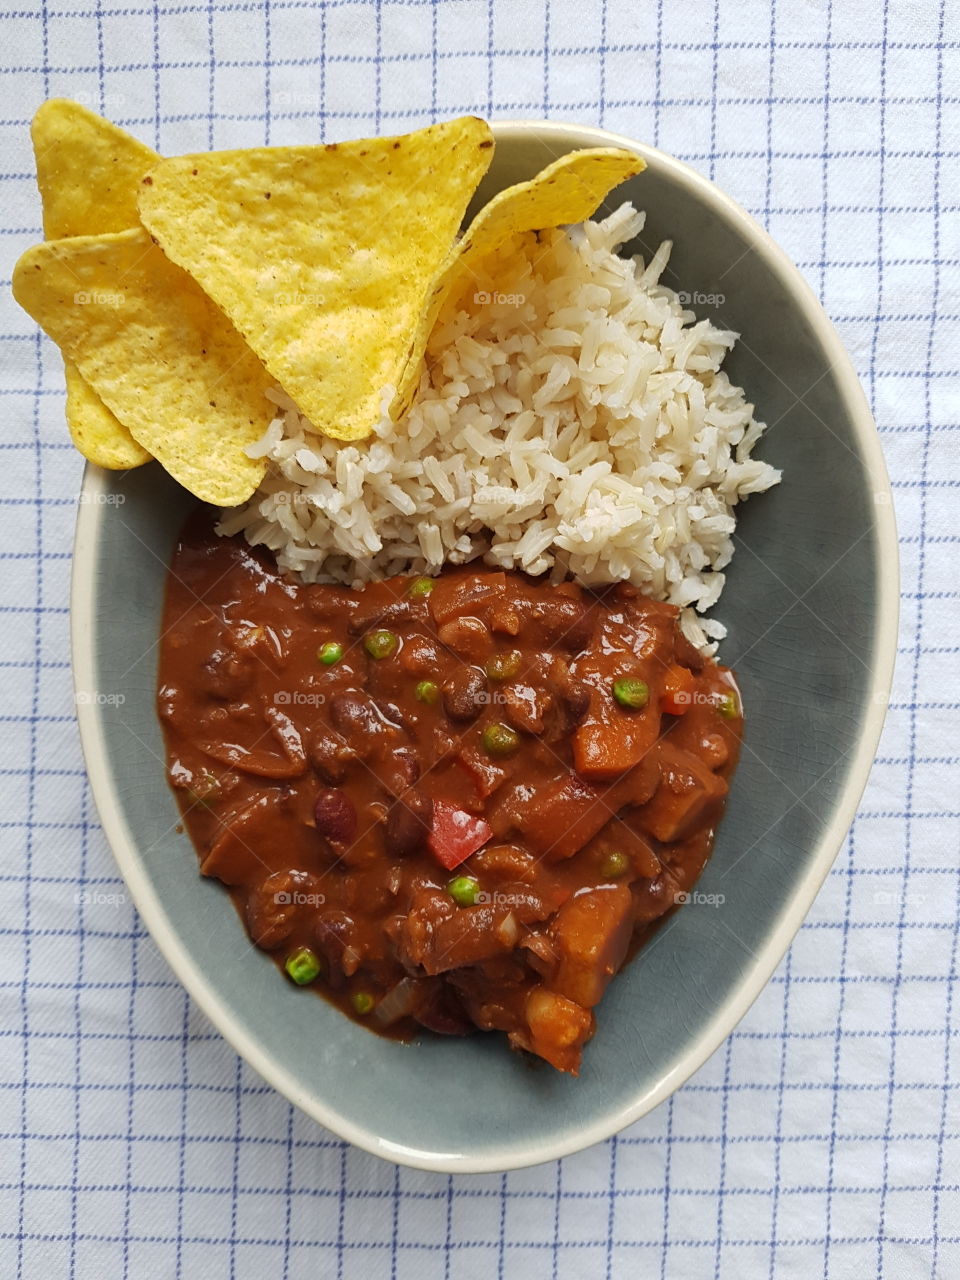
(92, 510)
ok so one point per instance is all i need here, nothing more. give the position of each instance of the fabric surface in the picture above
(823, 1138)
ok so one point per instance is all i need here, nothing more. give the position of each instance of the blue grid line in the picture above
(176, 1039)
(199, 1189)
(768, 200)
(276, 1242)
(442, 55)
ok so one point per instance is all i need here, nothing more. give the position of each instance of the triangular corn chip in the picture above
(157, 351)
(99, 435)
(88, 172)
(324, 257)
(567, 191)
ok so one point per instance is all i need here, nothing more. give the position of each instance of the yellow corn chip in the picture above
(158, 353)
(95, 431)
(88, 172)
(323, 257)
(567, 191)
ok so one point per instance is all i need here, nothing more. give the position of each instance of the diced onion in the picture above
(508, 931)
(396, 1004)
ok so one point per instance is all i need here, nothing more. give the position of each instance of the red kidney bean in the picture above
(356, 715)
(463, 694)
(576, 697)
(335, 816)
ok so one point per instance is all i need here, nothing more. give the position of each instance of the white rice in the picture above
(572, 419)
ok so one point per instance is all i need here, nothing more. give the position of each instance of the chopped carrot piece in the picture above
(678, 687)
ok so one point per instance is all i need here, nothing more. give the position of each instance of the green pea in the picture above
(614, 865)
(729, 706)
(503, 666)
(500, 740)
(380, 644)
(330, 653)
(463, 890)
(428, 692)
(631, 693)
(302, 966)
(421, 587)
(362, 1002)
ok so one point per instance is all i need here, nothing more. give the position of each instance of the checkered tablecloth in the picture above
(823, 1138)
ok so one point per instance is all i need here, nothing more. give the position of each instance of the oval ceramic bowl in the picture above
(811, 606)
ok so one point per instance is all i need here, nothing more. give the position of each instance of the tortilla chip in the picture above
(95, 431)
(567, 191)
(89, 172)
(157, 351)
(323, 257)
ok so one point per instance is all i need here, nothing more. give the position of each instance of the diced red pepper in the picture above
(456, 834)
(678, 687)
